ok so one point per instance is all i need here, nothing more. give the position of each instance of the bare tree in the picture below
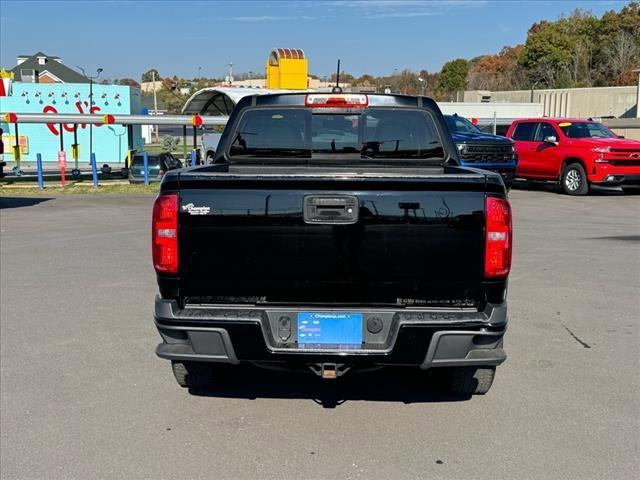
(623, 55)
(580, 63)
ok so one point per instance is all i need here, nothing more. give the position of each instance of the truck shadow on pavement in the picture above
(386, 385)
(17, 202)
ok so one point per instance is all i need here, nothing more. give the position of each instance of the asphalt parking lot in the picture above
(83, 395)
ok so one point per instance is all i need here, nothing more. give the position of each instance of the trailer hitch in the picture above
(329, 371)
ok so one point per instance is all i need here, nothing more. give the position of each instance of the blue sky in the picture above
(127, 38)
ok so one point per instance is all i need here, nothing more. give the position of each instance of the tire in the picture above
(631, 190)
(193, 374)
(574, 180)
(471, 380)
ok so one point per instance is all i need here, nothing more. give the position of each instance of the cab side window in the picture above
(545, 130)
(524, 131)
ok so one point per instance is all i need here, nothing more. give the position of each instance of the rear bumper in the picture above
(418, 337)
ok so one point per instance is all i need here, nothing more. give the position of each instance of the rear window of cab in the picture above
(370, 133)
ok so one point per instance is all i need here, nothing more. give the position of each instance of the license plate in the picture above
(329, 330)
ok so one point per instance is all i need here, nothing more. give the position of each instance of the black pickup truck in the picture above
(333, 233)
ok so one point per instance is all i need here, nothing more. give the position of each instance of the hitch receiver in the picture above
(329, 371)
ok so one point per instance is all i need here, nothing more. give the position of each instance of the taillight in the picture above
(164, 235)
(498, 238)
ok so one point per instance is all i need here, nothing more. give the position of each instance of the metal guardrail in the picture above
(193, 121)
(186, 120)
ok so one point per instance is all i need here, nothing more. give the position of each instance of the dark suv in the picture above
(483, 150)
(158, 165)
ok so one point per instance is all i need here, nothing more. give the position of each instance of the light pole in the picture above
(199, 73)
(91, 79)
(424, 84)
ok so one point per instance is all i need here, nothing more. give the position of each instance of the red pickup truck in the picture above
(576, 153)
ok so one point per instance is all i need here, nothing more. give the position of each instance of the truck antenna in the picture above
(337, 88)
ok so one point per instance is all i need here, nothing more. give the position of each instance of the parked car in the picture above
(334, 232)
(158, 165)
(575, 153)
(483, 150)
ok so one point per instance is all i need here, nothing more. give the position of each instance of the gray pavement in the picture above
(83, 396)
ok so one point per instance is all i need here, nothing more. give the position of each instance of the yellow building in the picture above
(287, 69)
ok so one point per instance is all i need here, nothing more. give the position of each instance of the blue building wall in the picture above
(110, 142)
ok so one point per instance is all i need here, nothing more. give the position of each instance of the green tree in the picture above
(547, 54)
(563, 53)
(452, 78)
(619, 42)
(148, 75)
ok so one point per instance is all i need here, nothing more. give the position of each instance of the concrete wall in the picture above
(629, 128)
(570, 102)
(488, 110)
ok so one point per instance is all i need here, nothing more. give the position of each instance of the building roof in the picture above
(39, 54)
(52, 65)
(221, 100)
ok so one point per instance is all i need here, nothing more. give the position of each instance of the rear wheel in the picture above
(574, 180)
(193, 374)
(631, 190)
(471, 380)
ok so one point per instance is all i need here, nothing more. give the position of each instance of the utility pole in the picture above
(230, 64)
(155, 102)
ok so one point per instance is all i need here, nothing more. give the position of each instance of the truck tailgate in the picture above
(414, 241)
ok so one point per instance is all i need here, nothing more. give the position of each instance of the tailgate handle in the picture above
(331, 209)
